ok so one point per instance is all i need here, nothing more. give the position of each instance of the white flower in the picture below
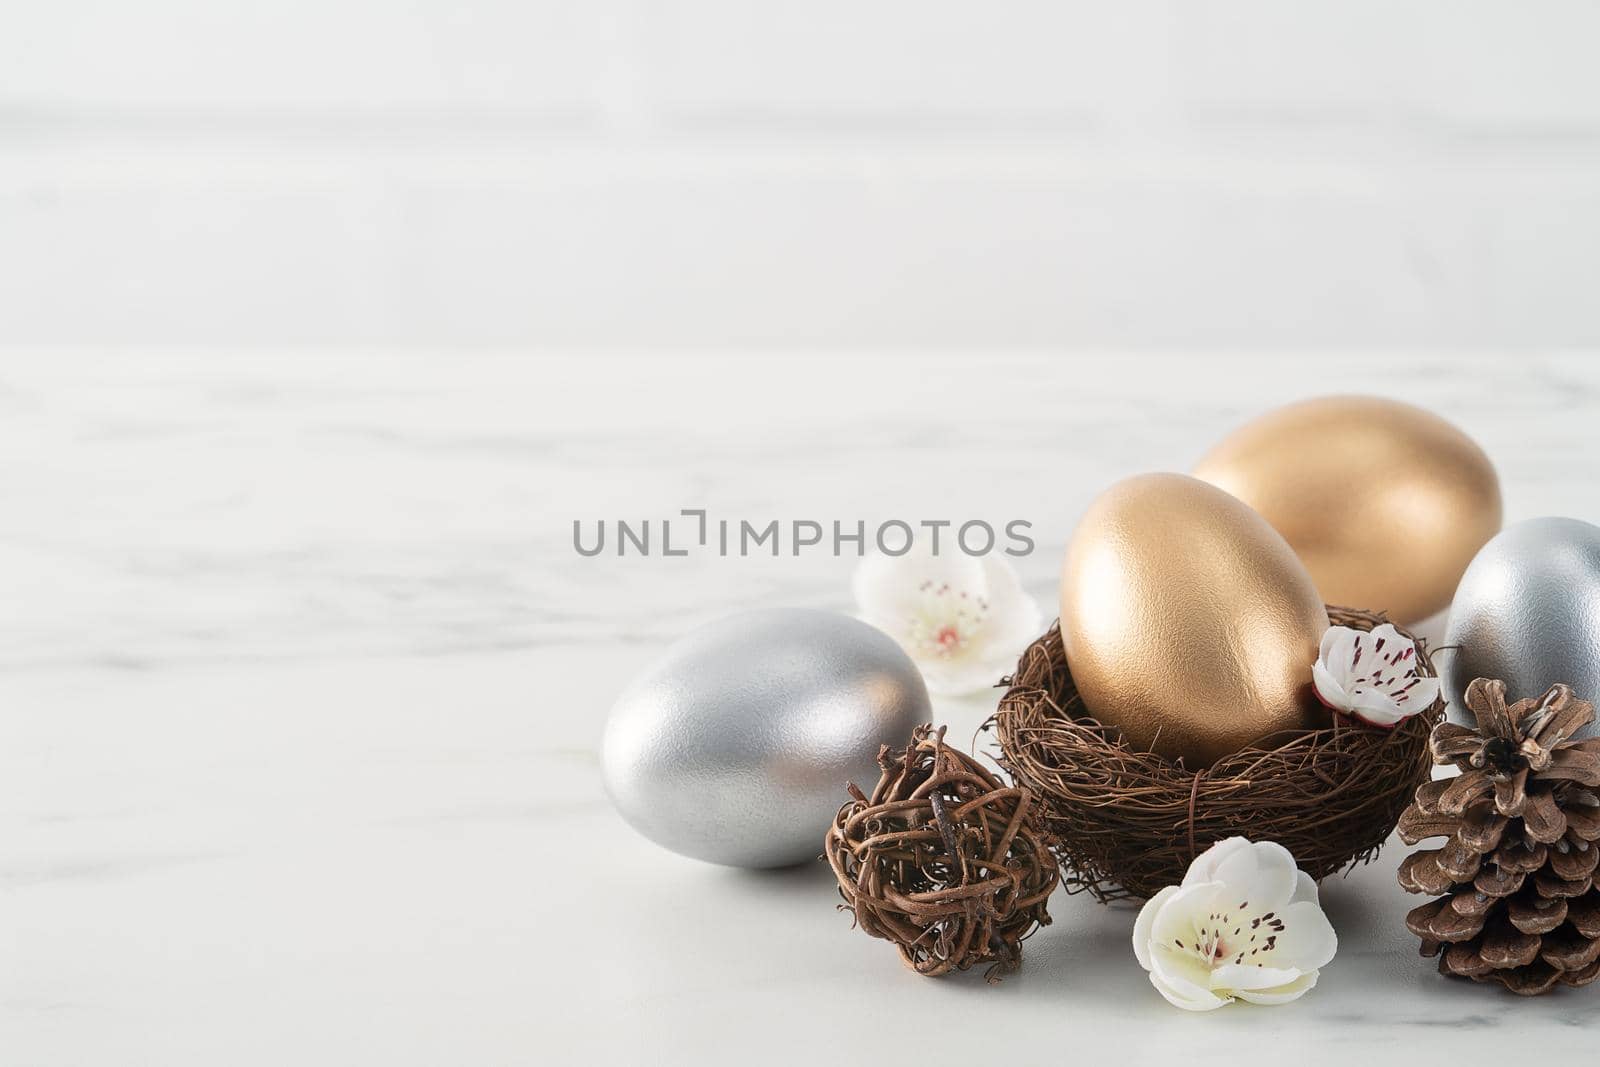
(963, 619)
(1245, 923)
(1372, 676)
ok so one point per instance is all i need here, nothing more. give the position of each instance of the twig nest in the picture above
(943, 859)
(1128, 822)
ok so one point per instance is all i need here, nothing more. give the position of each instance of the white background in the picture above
(909, 173)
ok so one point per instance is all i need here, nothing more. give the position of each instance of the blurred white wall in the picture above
(851, 173)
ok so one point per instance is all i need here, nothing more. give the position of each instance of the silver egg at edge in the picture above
(735, 747)
(1527, 611)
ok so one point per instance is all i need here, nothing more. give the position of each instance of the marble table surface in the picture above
(301, 683)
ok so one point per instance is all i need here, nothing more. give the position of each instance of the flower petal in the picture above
(1307, 941)
(968, 674)
(1176, 923)
(1013, 613)
(1305, 888)
(889, 587)
(1338, 647)
(1281, 994)
(1263, 876)
(1187, 996)
(1328, 687)
(1385, 634)
(1181, 970)
(1143, 925)
(1375, 709)
(1425, 694)
(1204, 867)
(1237, 977)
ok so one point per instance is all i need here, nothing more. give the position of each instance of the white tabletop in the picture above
(302, 684)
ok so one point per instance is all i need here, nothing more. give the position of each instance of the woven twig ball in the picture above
(1128, 823)
(943, 859)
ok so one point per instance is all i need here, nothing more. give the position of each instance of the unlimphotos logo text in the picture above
(693, 531)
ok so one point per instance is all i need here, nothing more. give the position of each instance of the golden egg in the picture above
(1385, 503)
(1187, 621)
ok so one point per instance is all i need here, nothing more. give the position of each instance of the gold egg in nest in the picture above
(1187, 621)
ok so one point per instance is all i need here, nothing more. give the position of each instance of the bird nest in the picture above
(943, 859)
(1128, 823)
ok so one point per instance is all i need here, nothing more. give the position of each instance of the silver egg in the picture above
(735, 747)
(1527, 611)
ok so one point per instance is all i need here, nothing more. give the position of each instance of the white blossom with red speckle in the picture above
(963, 619)
(1245, 924)
(1372, 676)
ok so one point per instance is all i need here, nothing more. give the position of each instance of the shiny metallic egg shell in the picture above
(735, 747)
(1528, 612)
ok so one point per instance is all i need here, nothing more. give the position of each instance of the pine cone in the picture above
(1521, 903)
